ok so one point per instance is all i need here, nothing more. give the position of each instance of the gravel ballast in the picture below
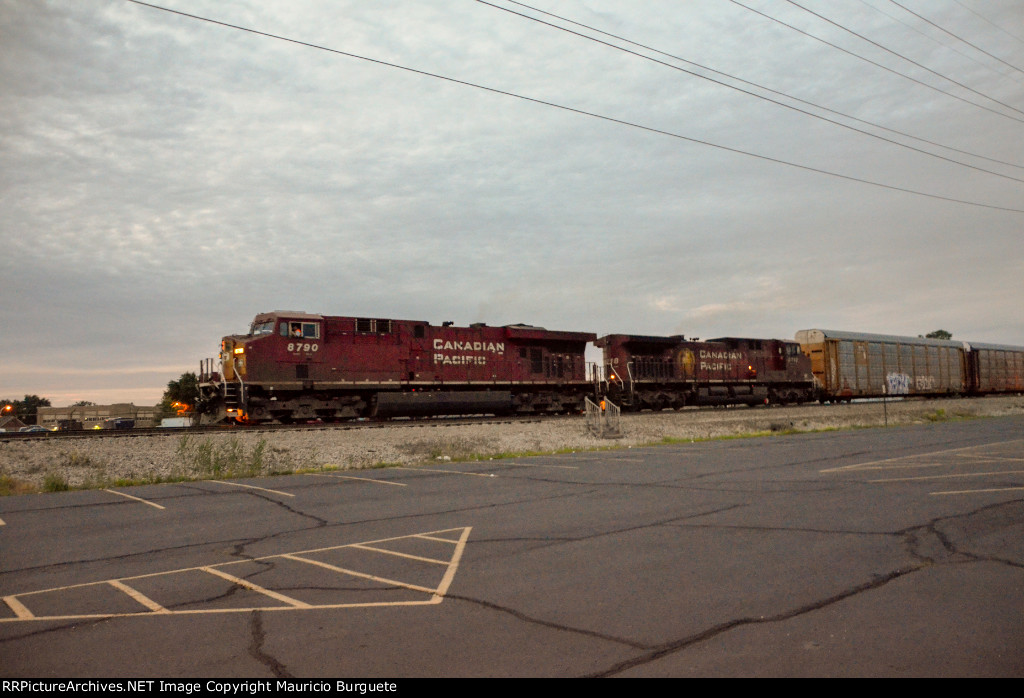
(101, 462)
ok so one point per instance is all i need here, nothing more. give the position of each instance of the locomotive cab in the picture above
(293, 338)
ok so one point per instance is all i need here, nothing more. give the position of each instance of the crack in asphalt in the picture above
(292, 510)
(256, 649)
(914, 546)
(519, 615)
(561, 540)
(668, 648)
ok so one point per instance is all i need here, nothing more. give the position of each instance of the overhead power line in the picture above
(929, 37)
(958, 38)
(901, 56)
(574, 110)
(748, 92)
(876, 63)
(986, 19)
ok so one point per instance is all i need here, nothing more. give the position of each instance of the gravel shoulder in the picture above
(34, 465)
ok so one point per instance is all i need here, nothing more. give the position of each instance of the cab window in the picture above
(259, 328)
(300, 330)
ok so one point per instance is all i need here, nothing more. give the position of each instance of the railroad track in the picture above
(361, 423)
(265, 428)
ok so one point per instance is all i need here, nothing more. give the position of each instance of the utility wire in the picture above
(534, 100)
(898, 55)
(935, 41)
(875, 63)
(958, 38)
(747, 92)
(986, 19)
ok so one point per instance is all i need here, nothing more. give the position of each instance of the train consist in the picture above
(295, 366)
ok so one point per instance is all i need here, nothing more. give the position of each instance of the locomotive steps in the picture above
(52, 464)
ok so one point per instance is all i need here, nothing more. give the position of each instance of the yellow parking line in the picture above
(426, 536)
(138, 596)
(943, 477)
(994, 489)
(432, 601)
(449, 575)
(398, 554)
(256, 587)
(450, 472)
(342, 570)
(365, 479)
(18, 607)
(253, 487)
(137, 499)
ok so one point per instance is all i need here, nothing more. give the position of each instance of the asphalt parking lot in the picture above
(882, 552)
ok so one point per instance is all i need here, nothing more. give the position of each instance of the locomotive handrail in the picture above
(604, 419)
(241, 383)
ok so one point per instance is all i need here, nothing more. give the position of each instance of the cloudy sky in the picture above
(163, 178)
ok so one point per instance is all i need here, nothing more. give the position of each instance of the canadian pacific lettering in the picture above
(464, 359)
(446, 360)
(492, 347)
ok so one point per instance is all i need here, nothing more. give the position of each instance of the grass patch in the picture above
(207, 458)
(230, 458)
(445, 448)
(55, 483)
(12, 486)
(700, 439)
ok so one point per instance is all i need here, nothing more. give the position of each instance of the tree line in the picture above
(179, 398)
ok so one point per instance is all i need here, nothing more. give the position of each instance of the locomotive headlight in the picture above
(239, 350)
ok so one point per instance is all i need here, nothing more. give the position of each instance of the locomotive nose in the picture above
(232, 358)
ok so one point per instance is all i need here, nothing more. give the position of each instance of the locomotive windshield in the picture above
(262, 328)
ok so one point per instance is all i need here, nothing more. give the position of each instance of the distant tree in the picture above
(24, 409)
(939, 334)
(83, 403)
(181, 395)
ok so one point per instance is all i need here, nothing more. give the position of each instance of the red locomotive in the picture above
(294, 366)
(659, 372)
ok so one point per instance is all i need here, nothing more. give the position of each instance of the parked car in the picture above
(34, 427)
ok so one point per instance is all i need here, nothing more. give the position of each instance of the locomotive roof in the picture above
(300, 314)
(815, 336)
